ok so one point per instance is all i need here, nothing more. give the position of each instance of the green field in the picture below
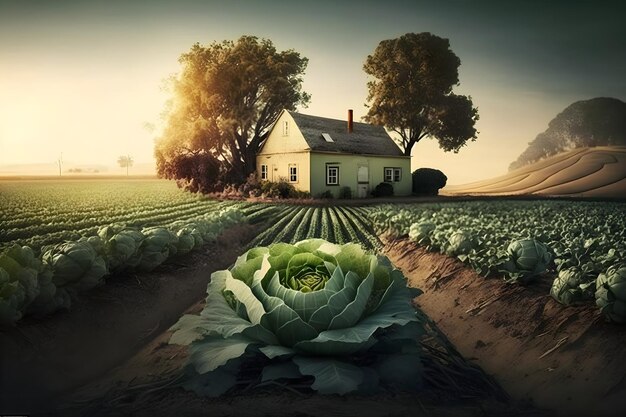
(42, 212)
(126, 224)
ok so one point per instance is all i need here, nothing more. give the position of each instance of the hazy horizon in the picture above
(84, 78)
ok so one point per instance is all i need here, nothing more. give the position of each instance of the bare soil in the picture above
(566, 359)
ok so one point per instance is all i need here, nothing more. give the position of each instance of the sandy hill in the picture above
(598, 172)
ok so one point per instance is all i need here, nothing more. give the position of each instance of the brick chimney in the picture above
(350, 124)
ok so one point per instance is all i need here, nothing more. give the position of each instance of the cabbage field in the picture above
(61, 237)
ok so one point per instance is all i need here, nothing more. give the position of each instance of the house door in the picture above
(363, 176)
(274, 176)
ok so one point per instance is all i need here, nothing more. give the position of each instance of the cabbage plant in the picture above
(314, 309)
(75, 264)
(420, 232)
(459, 243)
(611, 293)
(527, 258)
(572, 285)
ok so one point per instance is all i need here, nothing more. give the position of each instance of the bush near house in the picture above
(345, 192)
(428, 181)
(384, 189)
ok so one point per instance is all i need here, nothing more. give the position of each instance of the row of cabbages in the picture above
(39, 285)
(523, 240)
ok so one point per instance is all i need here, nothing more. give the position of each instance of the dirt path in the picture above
(42, 359)
(566, 359)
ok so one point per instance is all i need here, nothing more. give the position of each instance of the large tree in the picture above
(224, 101)
(411, 92)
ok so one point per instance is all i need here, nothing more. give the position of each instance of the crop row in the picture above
(578, 244)
(42, 284)
(291, 224)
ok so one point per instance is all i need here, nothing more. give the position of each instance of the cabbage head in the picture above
(121, 246)
(76, 265)
(11, 299)
(611, 293)
(22, 266)
(158, 245)
(459, 243)
(527, 259)
(572, 285)
(420, 232)
(311, 310)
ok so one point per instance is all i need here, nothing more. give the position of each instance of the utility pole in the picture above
(60, 162)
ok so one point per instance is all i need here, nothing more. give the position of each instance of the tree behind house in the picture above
(411, 92)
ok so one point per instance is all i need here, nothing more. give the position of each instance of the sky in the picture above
(83, 79)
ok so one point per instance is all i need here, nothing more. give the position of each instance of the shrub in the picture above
(327, 194)
(252, 186)
(384, 189)
(280, 189)
(428, 181)
(345, 192)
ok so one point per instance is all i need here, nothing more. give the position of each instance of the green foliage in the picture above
(76, 265)
(279, 189)
(225, 99)
(310, 309)
(411, 93)
(42, 285)
(600, 121)
(428, 181)
(573, 285)
(611, 293)
(528, 258)
(384, 189)
(590, 237)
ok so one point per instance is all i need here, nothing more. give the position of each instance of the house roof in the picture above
(365, 138)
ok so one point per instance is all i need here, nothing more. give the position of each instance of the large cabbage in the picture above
(315, 309)
(611, 293)
(527, 258)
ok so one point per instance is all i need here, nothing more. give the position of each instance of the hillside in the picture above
(600, 121)
(598, 172)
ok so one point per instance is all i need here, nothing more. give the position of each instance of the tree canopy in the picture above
(223, 103)
(600, 121)
(411, 92)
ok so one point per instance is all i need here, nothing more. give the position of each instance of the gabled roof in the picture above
(365, 139)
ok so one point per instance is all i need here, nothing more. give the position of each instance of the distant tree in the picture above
(225, 99)
(411, 93)
(600, 121)
(125, 161)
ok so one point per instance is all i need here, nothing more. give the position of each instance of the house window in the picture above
(393, 174)
(285, 128)
(293, 173)
(263, 172)
(332, 175)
